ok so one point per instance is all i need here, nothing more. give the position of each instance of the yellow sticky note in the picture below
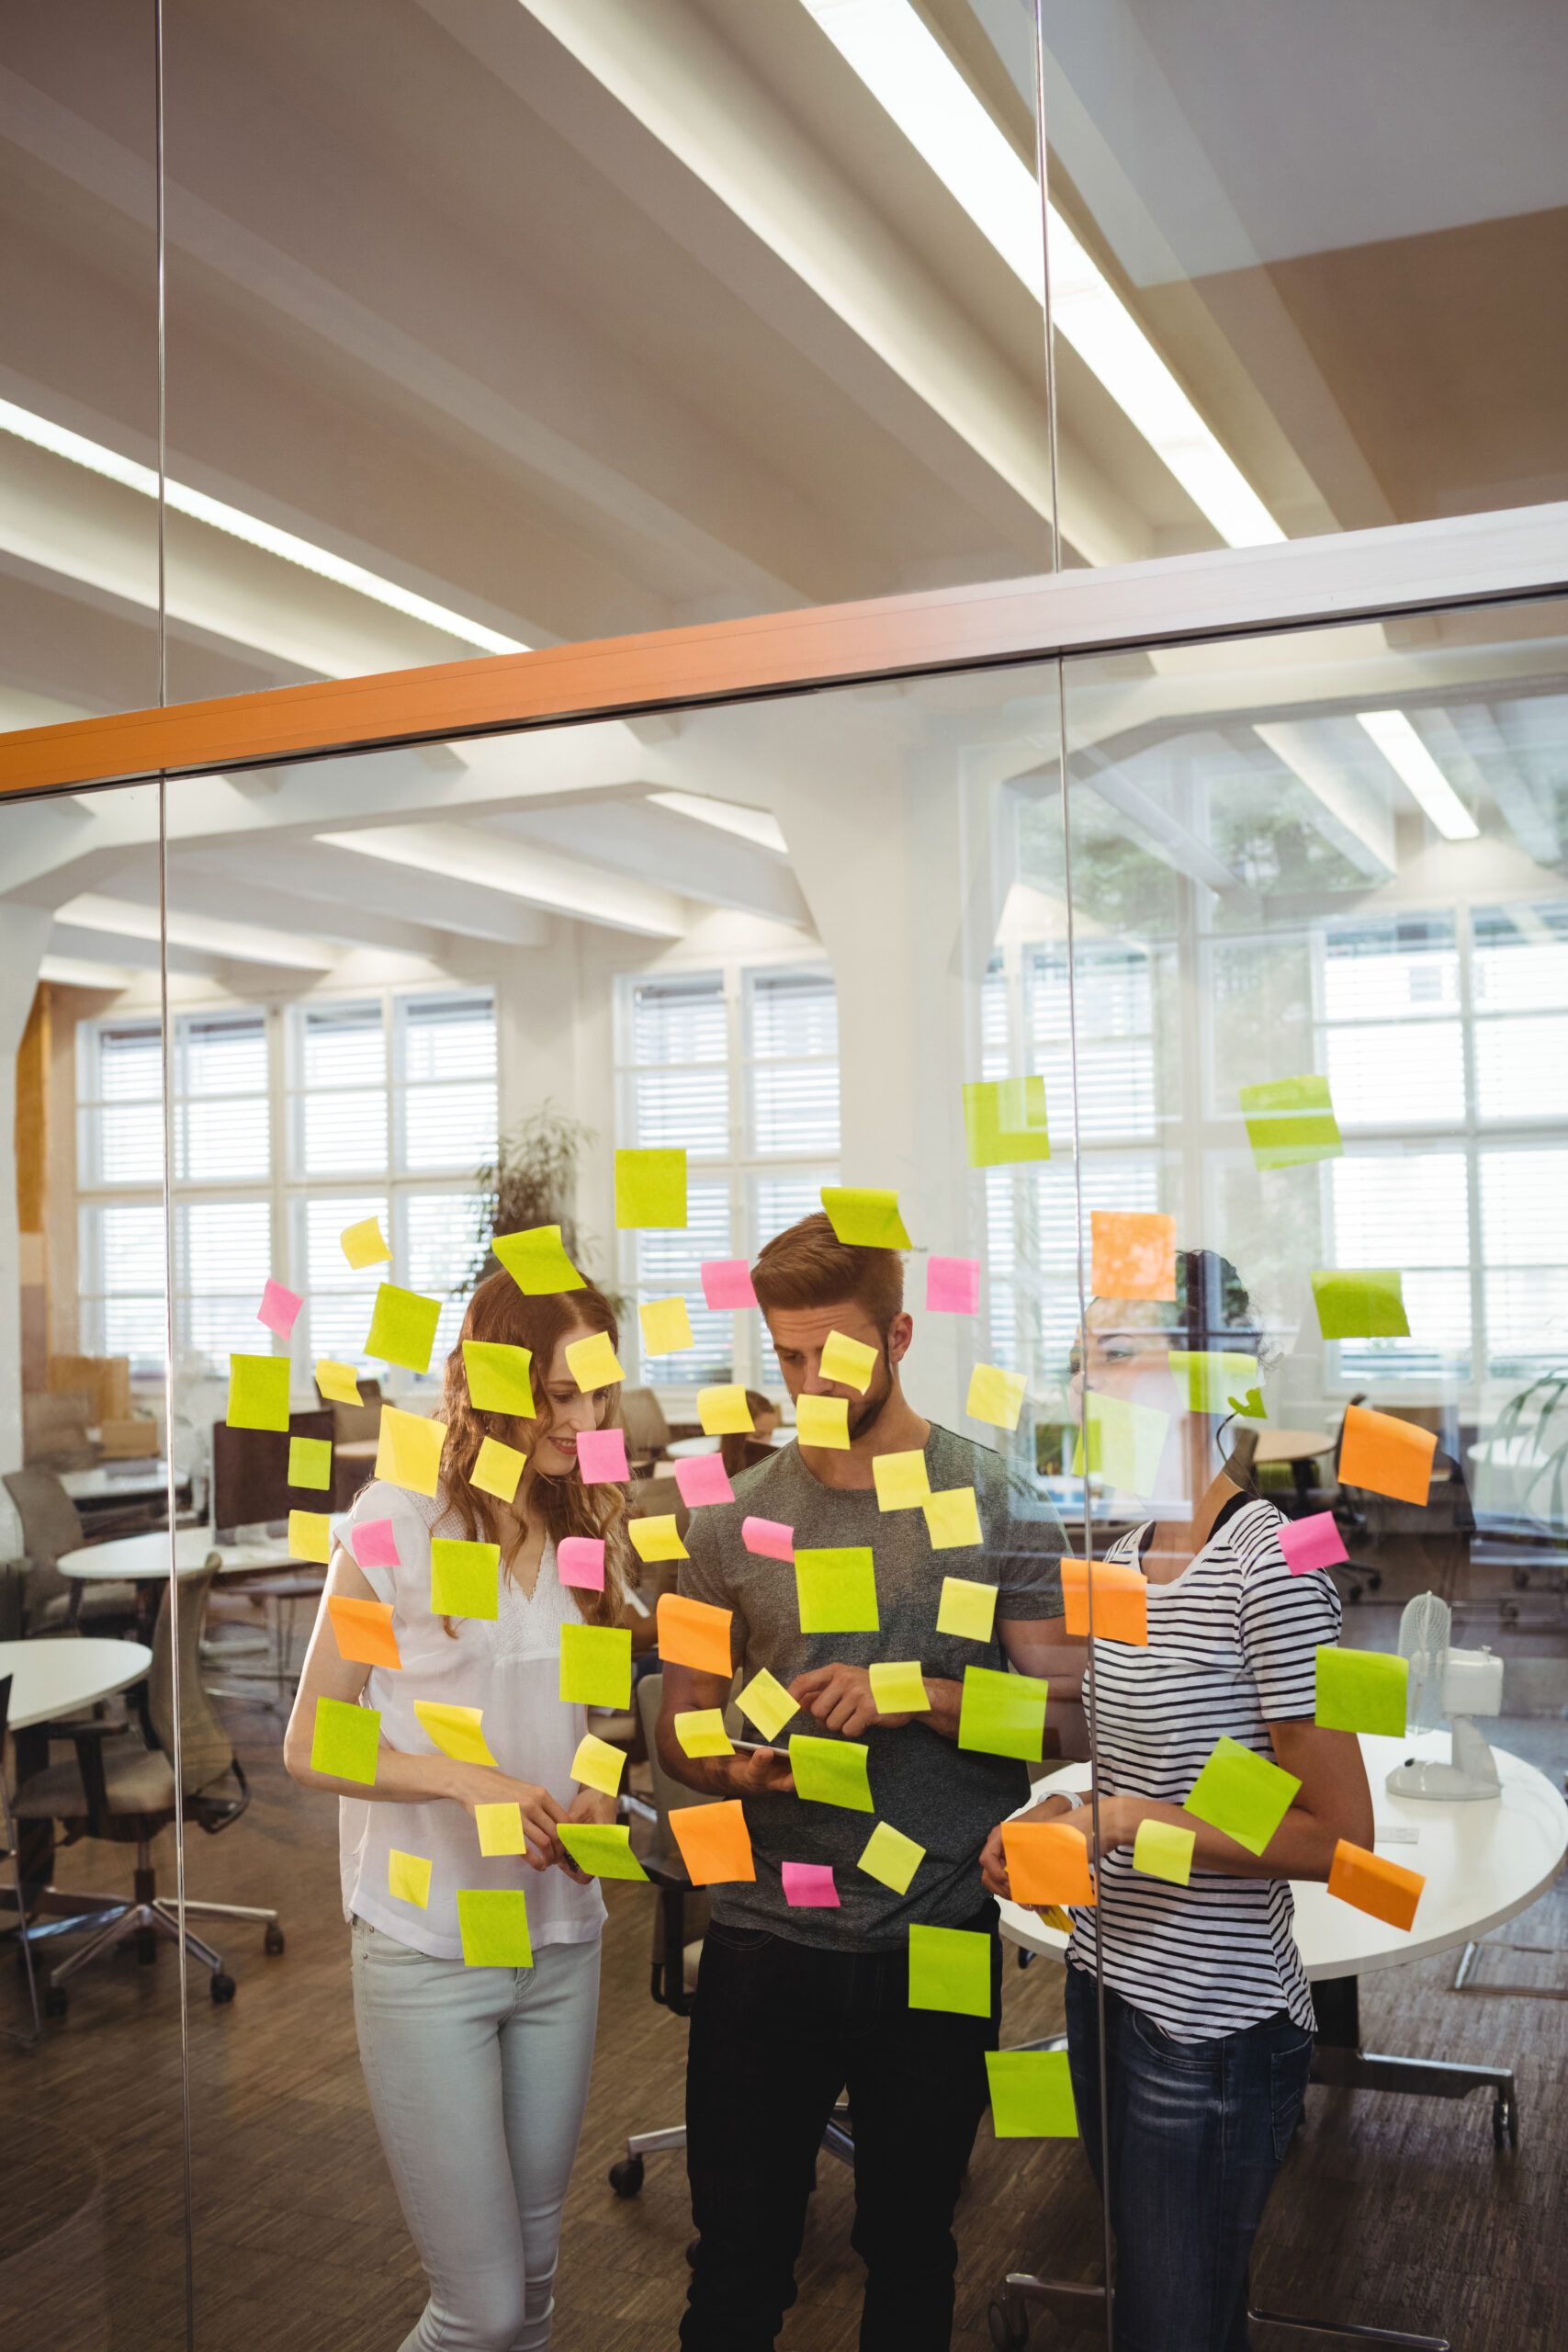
(864, 1218)
(1125, 1441)
(901, 1480)
(501, 1828)
(593, 1361)
(407, 1877)
(765, 1703)
(402, 1328)
(657, 1537)
(899, 1689)
(363, 1245)
(536, 1261)
(465, 1578)
(724, 1412)
(258, 1393)
(1161, 1851)
(493, 1924)
(651, 1189)
(701, 1732)
(597, 1666)
(598, 1764)
(1004, 1121)
(666, 1326)
(823, 1420)
(848, 1361)
(407, 1450)
(891, 1858)
(498, 1378)
(310, 1535)
(339, 1382)
(994, 1395)
(952, 1519)
(966, 1610)
(455, 1730)
(497, 1469)
(310, 1461)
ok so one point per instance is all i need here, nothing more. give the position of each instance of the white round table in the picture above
(54, 1680)
(144, 1559)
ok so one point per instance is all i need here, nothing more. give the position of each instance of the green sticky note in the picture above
(831, 1771)
(536, 1261)
(345, 1740)
(1002, 1715)
(402, 1328)
(493, 1924)
(1031, 2095)
(603, 1849)
(837, 1591)
(949, 1968)
(597, 1666)
(650, 1187)
(465, 1578)
(891, 1858)
(498, 1378)
(1366, 1304)
(864, 1219)
(1162, 1851)
(1362, 1690)
(1126, 1442)
(1004, 1120)
(1289, 1121)
(1211, 1377)
(310, 1461)
(1242, 1794)
(258, 1393)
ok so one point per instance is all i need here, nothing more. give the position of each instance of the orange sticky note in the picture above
(1121, 1602)
(1386, 1455)
(712, 1841)
(1047, 1863)
(1384, 1889)
(690, 1632)
(364, 1630)
(1134, 1254)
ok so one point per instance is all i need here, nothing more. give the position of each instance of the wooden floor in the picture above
(1391, 2212)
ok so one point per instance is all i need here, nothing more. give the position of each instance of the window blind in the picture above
(792, 1049)
(446, 1100)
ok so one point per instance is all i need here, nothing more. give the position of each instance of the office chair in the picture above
(51, 1524)
(128, 1793)
(9, 1826)
(647, 1431)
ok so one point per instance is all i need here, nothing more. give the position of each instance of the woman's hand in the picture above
(477, 1785)
(588, 1804)
(1118, 1826)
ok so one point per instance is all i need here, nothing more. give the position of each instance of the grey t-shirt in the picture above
(946, 1799)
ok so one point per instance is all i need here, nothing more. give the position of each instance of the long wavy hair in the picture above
(499, 1312)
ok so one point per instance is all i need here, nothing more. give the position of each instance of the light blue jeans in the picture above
(477, 2080)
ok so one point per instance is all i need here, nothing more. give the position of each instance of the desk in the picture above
(54, 1680)
(144, 1559)
(1300, 1448)
(122, 1482)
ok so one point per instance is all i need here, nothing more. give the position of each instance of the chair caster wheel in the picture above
(625, 2178)
(56, 2001)
(272, 1940)
(1505, 2118)
(1004, 2335)
(223, 1987)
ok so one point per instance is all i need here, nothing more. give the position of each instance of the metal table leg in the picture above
(1339, 2060)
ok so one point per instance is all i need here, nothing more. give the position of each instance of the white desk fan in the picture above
(1459, 1684)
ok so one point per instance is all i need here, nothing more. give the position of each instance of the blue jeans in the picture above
(1198, 2131)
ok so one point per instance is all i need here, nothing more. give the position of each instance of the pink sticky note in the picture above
(771, 1537)
(602, 1457)
(580, 1559)
(374, 1543)
(1310, 1542)
(726, 1282)
(704, 1480)
(953, 1286)
(809, 1882)
(279, 1308)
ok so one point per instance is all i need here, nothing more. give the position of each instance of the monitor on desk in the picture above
(250, 1475)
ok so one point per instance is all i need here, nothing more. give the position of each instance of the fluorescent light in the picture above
(1413, 763)
(910, 73)
(752, 824)
(61, 443)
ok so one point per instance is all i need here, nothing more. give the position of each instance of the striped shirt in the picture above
(1230, 1650)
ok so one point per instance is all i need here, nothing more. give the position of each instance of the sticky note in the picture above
(310, 1461)
(1242, 1794)
(1121, 1602)
(456, 1731)
(890, 1857)
(500, 1379)
(407, 1877)
(726, 1282)
(724, 1412)
(1046, 1862)
(651, 1189)
(363, 1630)
(1289, 1120)
(769, 1538)
(580, 1560)
(498, 1469)
(310, 1535)
(465, 1578)
(1313, 1543)
(966, 1610)
(602, 1457)
(402, 1327)
(1162, 1851)
(809, 1884)
(712, 1841)
(597, 1666)
(898, 1688)
(1386, 1455)
(345, 1740)
(836, 1590)
(703, 1479)
(1002, 1715)
(666, 1326)
(863, 1218)
(1031, 2095)
(700, 1731)
(258, 1393)
(598, 1764)
(952, 1519)
(823, 1420)
(1125, 1441)
(657, 1537)
(339, 1382)
(1134, 1254)
(695, 1633)
(848, 1362)
(501, 1828)
(831, 1771)
(901, 1480)
(1004, 1121)
(593, 1361)
(1209, 1377)
(1384, 1889)
(766, 1703)
(1366, 1302)
(493, 1924)
(374, 1545)
(953, 1286)
(949, 1968)
(536, 1261)
(279, 1308)
(1362, 1690)
(994, 1395)
(603, 1849)
(363, 1245)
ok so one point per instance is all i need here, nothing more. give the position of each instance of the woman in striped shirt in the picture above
(1208, 2016)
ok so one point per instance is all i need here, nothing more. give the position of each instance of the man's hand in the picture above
(588, 1804)
(756, 1772)
(841, 1697)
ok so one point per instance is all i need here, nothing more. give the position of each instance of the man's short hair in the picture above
(808, 1265)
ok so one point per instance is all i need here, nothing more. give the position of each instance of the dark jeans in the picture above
(778, 2029)
(1198, 2131)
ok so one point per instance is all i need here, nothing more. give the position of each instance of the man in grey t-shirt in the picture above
(795, 2003)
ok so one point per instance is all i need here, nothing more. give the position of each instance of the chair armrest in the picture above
(670, 1873)
(89, 1738)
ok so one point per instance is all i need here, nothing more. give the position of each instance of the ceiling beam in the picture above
(1358, 820)
(678, 854)
(540, 878)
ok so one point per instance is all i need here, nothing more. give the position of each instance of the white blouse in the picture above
(511, 1668)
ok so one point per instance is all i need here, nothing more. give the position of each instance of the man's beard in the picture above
(863, 1417)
